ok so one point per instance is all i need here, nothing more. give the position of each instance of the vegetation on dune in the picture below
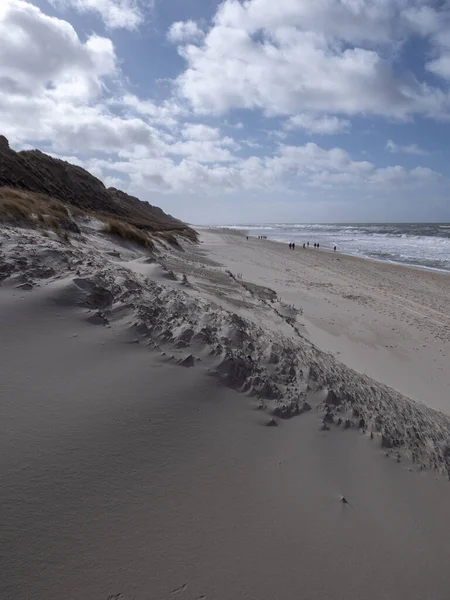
(126, 231)
(32, 171)
(20, 207)
(30, 209)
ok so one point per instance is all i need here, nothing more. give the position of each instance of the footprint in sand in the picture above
(182, 588)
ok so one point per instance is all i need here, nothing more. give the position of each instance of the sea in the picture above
(425, 245)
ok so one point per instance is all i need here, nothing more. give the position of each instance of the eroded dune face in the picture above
(136, 390)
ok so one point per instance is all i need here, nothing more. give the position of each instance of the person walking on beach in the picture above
(290, 245)
(318, 245)
(335, 248)
(315, 244)
(308, 244)
(293, 246)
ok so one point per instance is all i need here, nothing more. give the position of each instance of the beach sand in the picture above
(388, 321)
(127, 476)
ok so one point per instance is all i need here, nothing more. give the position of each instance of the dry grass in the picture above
(127, 232)
(20, 207)
(170, 237)
(30, 209)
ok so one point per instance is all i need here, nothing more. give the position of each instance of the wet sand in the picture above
(124, 476)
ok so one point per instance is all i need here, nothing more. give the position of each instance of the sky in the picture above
(239, 111)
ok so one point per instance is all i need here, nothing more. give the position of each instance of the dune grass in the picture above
(127, 232)
(20, 207)
(24, 208)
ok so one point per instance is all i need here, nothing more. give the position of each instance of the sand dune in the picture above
(135, 458)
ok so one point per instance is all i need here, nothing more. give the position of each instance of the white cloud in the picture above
(126, 14)
(69, 92)
(43, 56)
(167, 113)
(302, 166)
(440, 66)
(433, 23)
(194, 131)
(325, 125)
(391, 146)
(183, 32)
(296, 56)
(53, 85)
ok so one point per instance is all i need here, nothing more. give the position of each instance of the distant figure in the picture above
(335, 248)
(304, 245)
(315, 244)
(293, 246)
(308, 244)
(247, 238)
(318, 245)
(290, 245)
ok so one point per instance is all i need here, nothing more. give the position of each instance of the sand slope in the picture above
(388, 321)
(133, 470)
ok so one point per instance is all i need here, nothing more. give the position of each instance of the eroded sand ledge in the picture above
(193, 309)
(135, 458)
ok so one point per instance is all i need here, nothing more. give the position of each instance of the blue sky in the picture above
(233, 112)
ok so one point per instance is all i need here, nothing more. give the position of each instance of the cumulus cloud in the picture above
(196, 131)
(125, 14)
(391, 146)
(324, 125)
(53, 84)
(43, 56)
(297, 56)
(308, 166)
(68, 92)
(184, 32)
(166, 113)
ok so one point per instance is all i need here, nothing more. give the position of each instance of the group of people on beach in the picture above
(292, 244)
(316, 245)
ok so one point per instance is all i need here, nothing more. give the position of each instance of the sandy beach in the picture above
(388, 321)
(136, 389)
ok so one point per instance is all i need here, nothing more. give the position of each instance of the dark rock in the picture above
(272, 423)
(305, 407)
(328, 418)
(347, 424)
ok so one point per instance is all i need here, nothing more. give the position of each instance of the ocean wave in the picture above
(420, 244)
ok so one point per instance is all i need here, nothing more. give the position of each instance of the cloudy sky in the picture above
(239, 111)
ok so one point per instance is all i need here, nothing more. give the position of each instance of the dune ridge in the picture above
(198, 314)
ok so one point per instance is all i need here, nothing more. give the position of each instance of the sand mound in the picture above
(258, 350)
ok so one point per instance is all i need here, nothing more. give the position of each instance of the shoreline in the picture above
(387, 320)
(329, 249)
